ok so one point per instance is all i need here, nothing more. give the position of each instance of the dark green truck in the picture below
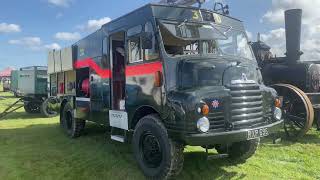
(163, 77)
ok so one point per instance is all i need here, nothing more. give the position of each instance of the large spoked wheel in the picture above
(46, 111)
(31, 107)
(158, 156)
(298, 110)
(71, 126)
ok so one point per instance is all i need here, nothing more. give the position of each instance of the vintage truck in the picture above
(163, 77)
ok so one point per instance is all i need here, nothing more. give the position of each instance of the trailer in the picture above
(163, 77)
(31, 86)
(296, 81)
(14, 82)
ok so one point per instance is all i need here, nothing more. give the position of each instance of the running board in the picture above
(118, 138)
(217, 156)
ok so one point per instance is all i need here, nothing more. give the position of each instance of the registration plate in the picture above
(257, 133)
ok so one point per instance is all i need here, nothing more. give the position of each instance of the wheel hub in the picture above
(151, 150)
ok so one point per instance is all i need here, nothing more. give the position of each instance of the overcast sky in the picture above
(29, 28)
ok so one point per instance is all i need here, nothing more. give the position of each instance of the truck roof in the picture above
(152, 5)
(153, 10)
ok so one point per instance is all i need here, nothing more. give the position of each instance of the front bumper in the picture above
(227, 137)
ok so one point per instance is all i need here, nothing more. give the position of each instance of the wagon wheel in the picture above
(298, 110)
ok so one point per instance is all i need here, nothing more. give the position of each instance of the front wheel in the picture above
(158, 156)
(240, 151)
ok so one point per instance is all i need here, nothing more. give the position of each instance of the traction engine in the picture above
(296, 81)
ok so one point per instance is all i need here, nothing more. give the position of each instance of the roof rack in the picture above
(182, 2)
(218, 6)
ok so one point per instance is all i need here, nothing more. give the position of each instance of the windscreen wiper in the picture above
(182, 23)
(228, 30)
(220, 32)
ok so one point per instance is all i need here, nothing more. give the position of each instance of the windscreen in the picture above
(236, 43)
(186, 38)
(193, 31)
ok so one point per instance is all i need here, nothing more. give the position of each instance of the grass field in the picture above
(32, 147)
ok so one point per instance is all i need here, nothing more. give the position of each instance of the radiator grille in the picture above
(246, 105)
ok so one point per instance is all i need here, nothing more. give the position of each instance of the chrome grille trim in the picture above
(246, 105)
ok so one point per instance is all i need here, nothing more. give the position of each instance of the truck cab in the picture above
(163, 77)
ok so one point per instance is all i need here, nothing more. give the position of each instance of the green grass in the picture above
(32, 147)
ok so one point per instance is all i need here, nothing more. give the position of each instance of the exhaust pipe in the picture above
(293, 19)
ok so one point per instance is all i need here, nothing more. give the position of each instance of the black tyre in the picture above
(240, 151)
(46, 111)
(32, 107)
(71, 126)
(158, 156)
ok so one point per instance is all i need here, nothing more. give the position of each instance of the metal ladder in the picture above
(119, 135)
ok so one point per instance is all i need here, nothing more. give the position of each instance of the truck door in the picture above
(100, 86)
(96, 99)
(118, 80)
(118, 115)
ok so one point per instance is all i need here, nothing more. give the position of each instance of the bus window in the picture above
(134, 31)
(105, 53)
(134, 50)
(135, 54)
(151, 54)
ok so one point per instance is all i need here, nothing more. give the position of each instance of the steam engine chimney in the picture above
(293, 34)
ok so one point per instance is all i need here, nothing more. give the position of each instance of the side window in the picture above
(105, 53)
(135, 50)
(153, 53)
(134, 44)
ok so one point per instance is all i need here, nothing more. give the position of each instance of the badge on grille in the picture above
(215, 104)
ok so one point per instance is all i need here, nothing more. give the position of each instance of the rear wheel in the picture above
(158, 156)
(32, 107)
(71, 126)
(240, 151)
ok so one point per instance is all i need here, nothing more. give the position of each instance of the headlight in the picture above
(203, 125)
(277, 113)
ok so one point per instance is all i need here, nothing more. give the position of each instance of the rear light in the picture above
(158, 79)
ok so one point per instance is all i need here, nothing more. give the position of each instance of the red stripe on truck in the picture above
(103, 73)
(131, 70)
(143, 69)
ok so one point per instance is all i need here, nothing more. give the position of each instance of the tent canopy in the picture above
(6, 72)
